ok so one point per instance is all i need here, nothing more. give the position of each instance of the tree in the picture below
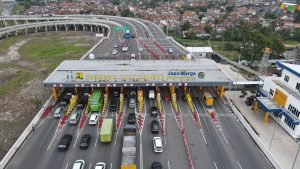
(200, 16)
(297, 17)
(127, 13)
(229, 9)
(208, 29)
(186, 26)
(269, 15)
(296, 34)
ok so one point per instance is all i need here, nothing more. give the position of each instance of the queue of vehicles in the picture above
(106, 132)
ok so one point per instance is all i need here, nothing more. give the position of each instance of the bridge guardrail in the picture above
(24, 135)
(178, 44)
(252, 133)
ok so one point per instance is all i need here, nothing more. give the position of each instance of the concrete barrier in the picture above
(252, 133)
(24, 135)
(178, 44)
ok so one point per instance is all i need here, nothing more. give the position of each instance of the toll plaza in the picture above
(139, 73)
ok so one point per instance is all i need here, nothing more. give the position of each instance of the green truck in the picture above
(106, 130)
(95, 102)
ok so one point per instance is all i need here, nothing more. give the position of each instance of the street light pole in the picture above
(168, 18)
(237, 74)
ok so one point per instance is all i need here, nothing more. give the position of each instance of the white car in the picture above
(116, 45)
(93, 119)
(140, 49)
(100, 165)
(157, 144)
(78, 164)
(114, 52)
(58, 112)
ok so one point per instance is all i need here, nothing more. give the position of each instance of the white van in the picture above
(157, 144)
(151, 94)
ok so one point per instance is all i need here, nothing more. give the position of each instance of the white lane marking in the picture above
(169, 165)
(76, 139)
(164, 125)
(67, 166)
(96, 138)
(116, 137)
(52, 141)
(90, 166)
(224, 137)
(40, 124)
(110, 165)
(201, 129)
(215, 165)
(239, 164)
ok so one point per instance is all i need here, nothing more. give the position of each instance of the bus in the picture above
(209, 100)
(127, 34)
(95, 102)
(125, 44)
(106, 130)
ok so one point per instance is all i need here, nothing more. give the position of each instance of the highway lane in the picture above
(175, 145)
(240, 140)
(198, 147)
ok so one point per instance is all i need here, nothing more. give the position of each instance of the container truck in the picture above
(106, 131)
(129, 147)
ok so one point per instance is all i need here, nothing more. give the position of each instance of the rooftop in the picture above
(137, 73)
(293, 68)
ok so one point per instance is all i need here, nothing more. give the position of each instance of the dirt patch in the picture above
(13, 53)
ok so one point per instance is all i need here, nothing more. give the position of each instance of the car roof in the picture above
(158, 141)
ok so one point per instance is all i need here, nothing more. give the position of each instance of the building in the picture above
(280, 98)
(200, 52)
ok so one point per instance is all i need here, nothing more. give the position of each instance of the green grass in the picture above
(15, 81)
(50, 52)
(232, 55)
(6, 43)
(290, 42)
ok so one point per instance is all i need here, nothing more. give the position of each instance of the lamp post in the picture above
(237, 74)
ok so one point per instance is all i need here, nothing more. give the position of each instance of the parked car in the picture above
(153, 111)
(93, 119)
(131, 118)
(114, 52)
(100, 165)
(156, 165)
(74, 118)
(157, 144)
(58, 112)
(85, 141)
(65, 142)
(78, 164)
(155, 126)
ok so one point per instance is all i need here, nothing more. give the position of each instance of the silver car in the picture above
(58, 112)
(74, 118)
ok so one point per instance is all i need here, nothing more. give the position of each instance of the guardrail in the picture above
(29, 129)
(252, 133)
(178, 44)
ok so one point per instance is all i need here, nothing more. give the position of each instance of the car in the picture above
(100, 165)
(93, 119)
(157, 144)
(132, 103)
(131, 118)
(113, 105)
(153, 111)
(156, 165)
(114, 52)
(154, 126)
(85, 141)
(78, 164)
(65, 142)
(140, 49)
(170, 50)
(58, 112)
(74, 118)
(116, 45)
(132, 36)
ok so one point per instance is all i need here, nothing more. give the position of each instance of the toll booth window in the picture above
(298, 86)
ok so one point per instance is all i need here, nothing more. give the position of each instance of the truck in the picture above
(151, 94)
(95, 102)
(129, 147)
(127, 34)
(106, 130)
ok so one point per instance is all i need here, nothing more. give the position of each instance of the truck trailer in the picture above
(129, 147)
(106, 131)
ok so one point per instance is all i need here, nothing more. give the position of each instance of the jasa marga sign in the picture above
(191, 75)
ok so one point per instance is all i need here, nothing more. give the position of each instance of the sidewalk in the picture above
(283, 147)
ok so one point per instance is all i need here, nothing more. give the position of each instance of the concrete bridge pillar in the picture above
(75, 27)
(26, 21)
(46, 29)
(5, 23)
(91, 28)
(56, 28)
(26, 31)
(103, 29)
(66, 27)
(98, 29)
(83, 27)
(36, 29)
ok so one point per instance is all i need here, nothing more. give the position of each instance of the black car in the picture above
(156, 165)
(153, 111)
(85, 141)
(113, 105)
(65, 142)
(155, 126)
(131, 118)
